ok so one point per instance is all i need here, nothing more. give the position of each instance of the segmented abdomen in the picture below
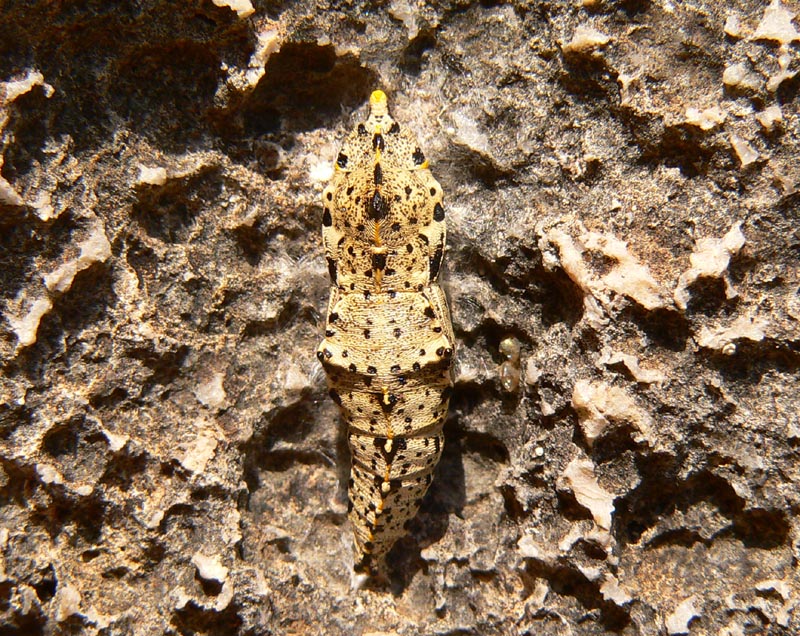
(392, 384)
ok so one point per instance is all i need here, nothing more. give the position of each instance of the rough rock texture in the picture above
(622, 182)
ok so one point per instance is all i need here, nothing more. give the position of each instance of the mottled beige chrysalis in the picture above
(388, 346)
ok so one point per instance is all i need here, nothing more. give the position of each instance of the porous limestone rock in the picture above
(622, 236)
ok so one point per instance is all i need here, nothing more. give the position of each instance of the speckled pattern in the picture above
(388, 346)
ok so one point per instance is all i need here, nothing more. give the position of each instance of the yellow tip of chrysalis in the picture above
(378, 103)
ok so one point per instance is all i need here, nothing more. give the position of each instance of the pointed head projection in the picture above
(379, 105)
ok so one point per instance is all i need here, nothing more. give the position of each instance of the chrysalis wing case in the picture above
(388, 346)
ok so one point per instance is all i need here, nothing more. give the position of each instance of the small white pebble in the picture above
(776, 25)
(738, 76)
(210, 568)
(733, 74)
(211, 393)
(25, 327)
(546, 408)
(151, 176)
(746, 153)
(243, 8)
(69, 602)
(49, 474)
(584, 40)
(770, 117)
(705, 119)
(532, 372)
(732, 26)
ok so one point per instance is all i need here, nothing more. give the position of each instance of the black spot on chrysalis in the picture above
(436, 263)
(379, 261)
(377, 207)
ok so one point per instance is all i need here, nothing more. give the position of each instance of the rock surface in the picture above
(622, 181)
